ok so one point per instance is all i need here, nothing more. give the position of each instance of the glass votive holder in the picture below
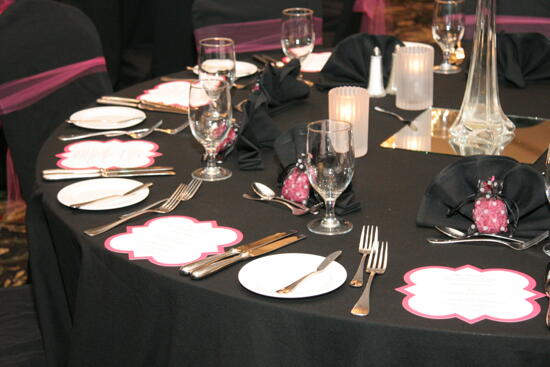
(415, 80)
(351, 104)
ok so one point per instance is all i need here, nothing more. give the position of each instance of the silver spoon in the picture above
(265, 193)
(129, 192)
(399, 117)
(295, 211)
(458, 234)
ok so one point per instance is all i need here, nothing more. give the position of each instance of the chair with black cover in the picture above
(253, 25)
(52, 66)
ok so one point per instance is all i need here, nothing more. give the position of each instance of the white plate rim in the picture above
(245, 65)
(136, 198)
(334, 267)
(117, 110)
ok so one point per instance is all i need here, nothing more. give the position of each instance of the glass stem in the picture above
(329, 215)
(211, 159)
(446, 56)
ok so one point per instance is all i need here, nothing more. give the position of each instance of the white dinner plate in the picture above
(107, 117)
(100, 187)
(243, 69)
(267, 274)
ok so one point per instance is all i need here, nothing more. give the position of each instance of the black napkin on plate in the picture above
(292, 144)
(277, 88)
(456, 182)
(349, 63)
(522, 57)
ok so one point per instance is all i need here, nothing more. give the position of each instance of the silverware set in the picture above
(141, 104)
(377, 262)
(202, 268)
(182, 193)
(57, 174)
(265, 193)
(134, 134)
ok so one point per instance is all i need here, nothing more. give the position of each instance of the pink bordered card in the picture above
(470, 294)
(174, 94)
(108, 154)
(173, 240)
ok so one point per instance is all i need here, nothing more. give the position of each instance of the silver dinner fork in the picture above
(166, 207)
(377, 264)
(366, 244)
(190, 190)
(134, 134)
(174, 131)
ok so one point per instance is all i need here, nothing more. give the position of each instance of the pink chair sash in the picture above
(373, 21)
(21, 93)
(253, 36)
(4, 4)
(512, 24)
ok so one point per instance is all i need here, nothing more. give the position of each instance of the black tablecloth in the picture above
(135, 313)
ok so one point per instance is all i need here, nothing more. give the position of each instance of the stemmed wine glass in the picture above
(329, 168)
(297, 33)
(217, 59)
(546, 248)
(447, 31)
(210, 121)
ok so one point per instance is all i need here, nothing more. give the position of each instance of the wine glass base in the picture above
(546, 249)
(446, 69)
(340, 226)
(211, 174)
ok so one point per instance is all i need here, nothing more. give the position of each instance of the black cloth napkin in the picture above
(456, 182)
(349, 63)
(288, 147)
(277, 88)
(523, 57)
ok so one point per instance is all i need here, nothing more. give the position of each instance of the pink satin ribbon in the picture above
(512, 23)
(373, 21)
(4, 4)
(254, 36)
(21, 93)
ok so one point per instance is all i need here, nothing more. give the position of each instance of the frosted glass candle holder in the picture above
(351, 104)
(415, 79)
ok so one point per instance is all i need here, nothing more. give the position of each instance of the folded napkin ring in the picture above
(492, 212)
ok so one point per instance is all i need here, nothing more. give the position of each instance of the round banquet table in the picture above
(98, 308)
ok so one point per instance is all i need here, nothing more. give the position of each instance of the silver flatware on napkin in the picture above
(68, 174)
(322, 266)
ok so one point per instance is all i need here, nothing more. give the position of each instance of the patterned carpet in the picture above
(13, 245)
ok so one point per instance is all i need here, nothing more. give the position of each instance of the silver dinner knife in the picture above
(67, 174)
(322, 266)
(109, 134)
(547, 291)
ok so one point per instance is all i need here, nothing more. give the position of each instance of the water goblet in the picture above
(546, 248)
(297, 33)
(210, 121)
(329, 167)
(217, 59)
(447, 31)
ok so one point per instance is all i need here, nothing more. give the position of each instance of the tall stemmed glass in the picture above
(217, 59)
(210, 122)
(329, 166)
(546, 248)
(447, 31)
(297, 33)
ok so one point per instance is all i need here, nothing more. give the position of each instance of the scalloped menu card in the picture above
(112, 153)
(173, 240)
(470, 294)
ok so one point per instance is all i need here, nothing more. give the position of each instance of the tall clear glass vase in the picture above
(481, 126)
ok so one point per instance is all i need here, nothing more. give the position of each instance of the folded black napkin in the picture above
(522, 57)
(289, 147)
(277, 88)
(522, 185)
(349, 63)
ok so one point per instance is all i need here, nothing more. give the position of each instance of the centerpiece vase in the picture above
(481, 126)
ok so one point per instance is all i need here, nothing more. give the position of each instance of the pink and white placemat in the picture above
(170, 93)
(173, 240)
(108, 154)
(470, 294)
(314, 62)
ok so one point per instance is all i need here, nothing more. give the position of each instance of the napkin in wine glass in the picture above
(291, 145)
(522, 184)
(523, 57)
(349, 63)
